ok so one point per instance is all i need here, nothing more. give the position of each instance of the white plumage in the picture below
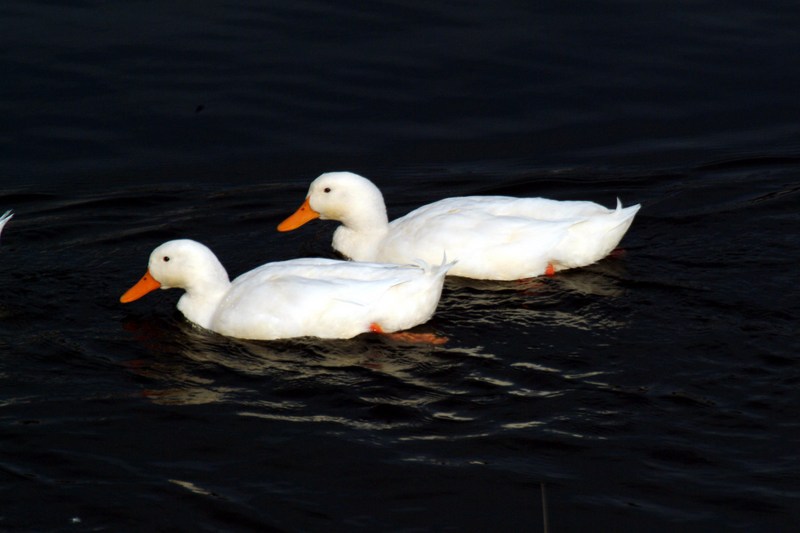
(490, 237)
(323, 298)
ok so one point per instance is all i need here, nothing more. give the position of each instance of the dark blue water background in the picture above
(654, 391)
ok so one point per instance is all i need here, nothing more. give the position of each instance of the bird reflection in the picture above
(195, 366)
(604, 278)
(588, 299)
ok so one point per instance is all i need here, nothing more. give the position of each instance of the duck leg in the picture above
(407, 336)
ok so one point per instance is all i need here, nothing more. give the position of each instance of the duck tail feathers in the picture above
(445, 266)
(626, 211)
(441, 268)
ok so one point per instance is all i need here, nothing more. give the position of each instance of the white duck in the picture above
(5, 218)
(490, 237)
(323, 298)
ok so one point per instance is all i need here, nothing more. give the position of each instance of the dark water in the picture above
(654, 391)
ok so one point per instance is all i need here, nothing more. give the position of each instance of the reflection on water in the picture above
(588, 299)
(189, 359)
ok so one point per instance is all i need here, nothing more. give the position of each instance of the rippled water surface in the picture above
(653, 391)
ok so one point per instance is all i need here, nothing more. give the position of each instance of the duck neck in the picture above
(203, 296)
(361, 232)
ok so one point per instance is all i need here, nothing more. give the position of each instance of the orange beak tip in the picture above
(145, 285)
(304, 214)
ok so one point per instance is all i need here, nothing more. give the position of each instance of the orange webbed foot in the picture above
(408, 336)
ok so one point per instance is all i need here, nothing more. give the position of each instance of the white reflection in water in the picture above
(194, 367)
(326, 419)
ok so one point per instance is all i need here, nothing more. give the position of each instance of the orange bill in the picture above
(145, 285)
(300, 217)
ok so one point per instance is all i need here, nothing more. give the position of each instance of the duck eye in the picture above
(327, 189)
(166, 259)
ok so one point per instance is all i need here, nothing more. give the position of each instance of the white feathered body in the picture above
(495, 237)
(328, 299)
(323, 298)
